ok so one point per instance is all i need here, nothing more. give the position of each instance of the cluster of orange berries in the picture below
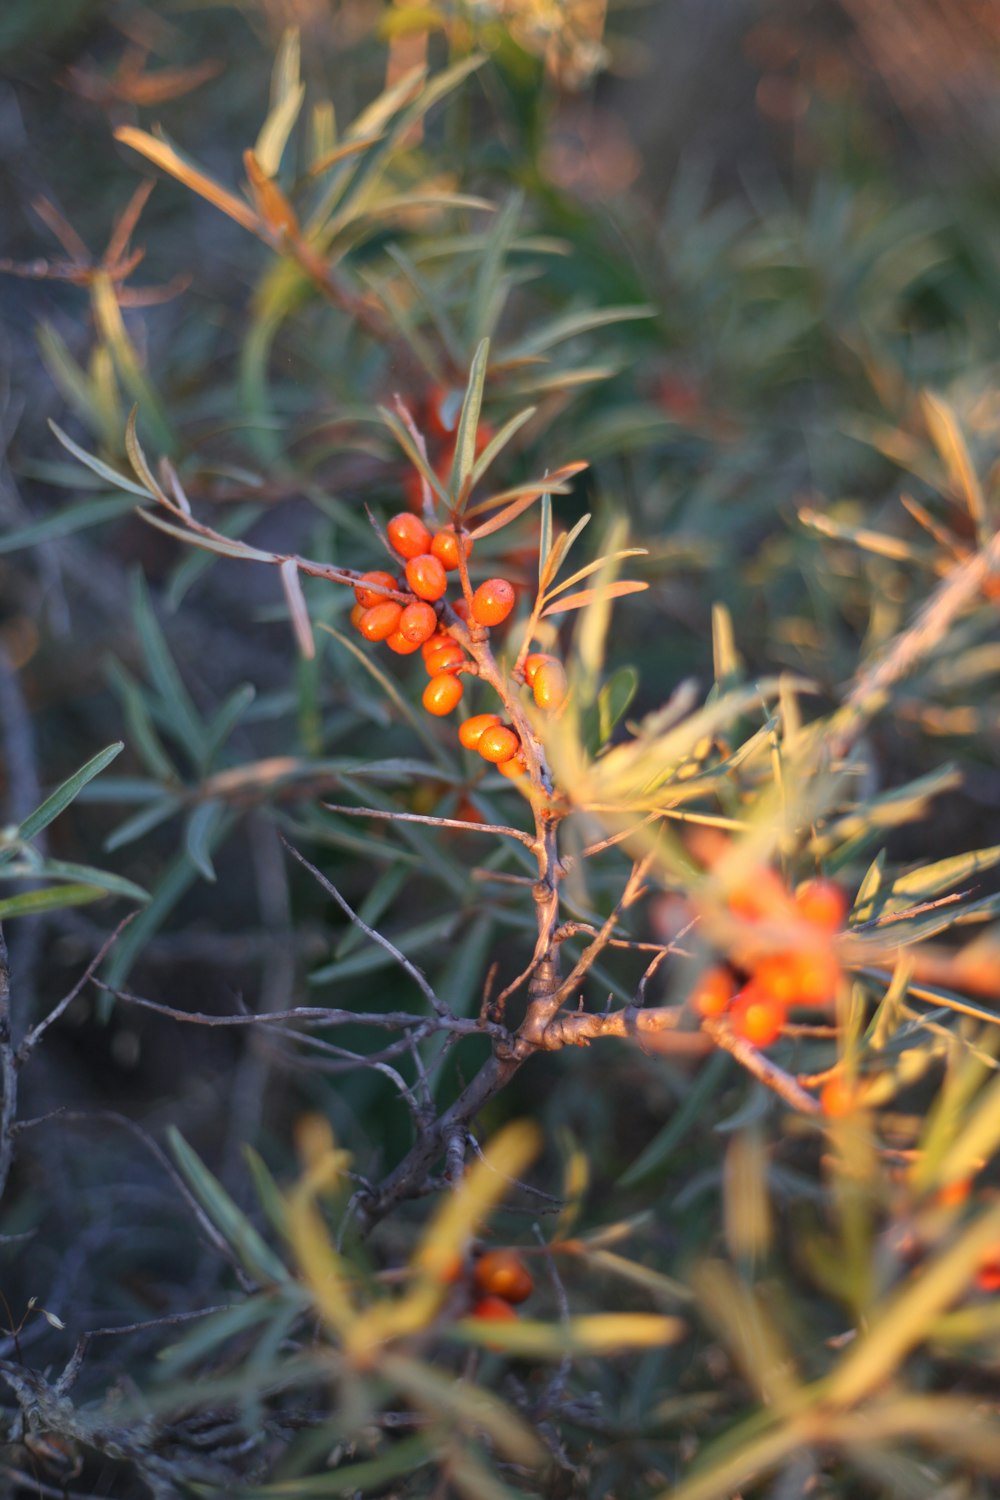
(500, 1283)
(755, 998)
(416, 626)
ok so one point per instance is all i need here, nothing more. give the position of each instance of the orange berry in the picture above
(452, 1271)
(953, 1194)
(408, 535)
(433, 642)
(381, 620)
(532, 663)
(549, 685)
(762, 897)
(418, 622)
(757, 1016)
(501, 1273)
(398, 642)
(493, 1310)
(822, 903)
(802, 976)
(471, 731)
(443, 693)
(426, 577)
(492, 602)
(837, 1098)
(515, 767)
(713, 992)
(447, 657)
(498, 744)
(357, 611)
(988, 1276)
(445, 548)
(370, 597)
(461, 609)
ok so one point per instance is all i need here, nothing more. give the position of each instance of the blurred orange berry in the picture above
(493, 1310)
(988, 1275)
(713, 992)
(471, 731)
(513, 768)
(461, 609)
(800, 976)
(408, 535)
(532, 663)
(823, 903)
(370, 597)
(757, 1016)
(492, 602)
(953, 1194)
(837, 1098)
(549, 685)
(357, 611)
(443, 693)
(760, 898)
(426, 577)
(502, 1273)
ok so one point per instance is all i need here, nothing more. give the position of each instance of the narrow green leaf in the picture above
(402, 705)
(219, 728)
(142, 732)
(614, 698)
(468, 422)
(65, 523)
(544, 539)
(371, 1475)
(377, 902)
(61, 869)
(416, 939)
(201, 834)
(64, 794)
(142, 822)
(165, 677)
(255, 1255)
(98, 467)
(52, 898)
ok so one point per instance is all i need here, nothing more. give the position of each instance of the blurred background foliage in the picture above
(746, 238)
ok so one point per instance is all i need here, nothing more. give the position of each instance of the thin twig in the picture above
(171, 1320)
(761, 1067)
(404, 817)
(406, 964)
(34, 1036)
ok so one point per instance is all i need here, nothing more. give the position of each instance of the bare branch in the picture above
(761, 1067)
(34, 1036)
(461, 823)
(408, 967)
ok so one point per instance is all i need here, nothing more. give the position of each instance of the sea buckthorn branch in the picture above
(721, 1034)
(455, 638)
